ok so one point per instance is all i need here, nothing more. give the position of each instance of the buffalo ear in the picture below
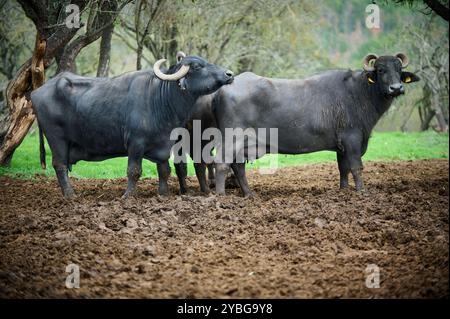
(180, 56)
(182, 84)
(408, 77)
(371, 77)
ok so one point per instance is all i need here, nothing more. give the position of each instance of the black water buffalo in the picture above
(130, 115)
(334, 110)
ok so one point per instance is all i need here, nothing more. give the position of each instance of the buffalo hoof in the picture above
(249, 195)
(205, 190)
(128, 195)
(163, 189)
(163, 193)
(69, 194)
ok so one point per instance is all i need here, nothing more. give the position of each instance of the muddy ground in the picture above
(300, 237)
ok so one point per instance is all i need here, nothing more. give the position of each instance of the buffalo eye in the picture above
(197, 67)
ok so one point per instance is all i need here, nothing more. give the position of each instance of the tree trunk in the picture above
(173, 44)
(426, 113)
(105, 52)
(443, 126)
(139, 57)
(405, 121)
(426, 118)
(71, 51)
(67, 58)
(21, 114)
(438, 7)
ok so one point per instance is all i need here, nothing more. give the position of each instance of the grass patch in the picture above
(386, 146)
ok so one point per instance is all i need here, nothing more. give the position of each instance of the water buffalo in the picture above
(132, 115)
(334, 110)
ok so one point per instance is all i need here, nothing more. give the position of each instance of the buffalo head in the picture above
(194, 74)
(387, 73)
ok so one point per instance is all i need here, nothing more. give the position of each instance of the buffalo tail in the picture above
(42, 148)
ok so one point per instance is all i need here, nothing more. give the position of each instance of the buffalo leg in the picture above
(357, 177)
(211, 175)
(60, 153)
(163, 175)
(181, 171)
(134, 172)
(221, 170)
(352, 159)
(344, 170)
(200, 171)
(63, 179)
(239, 172)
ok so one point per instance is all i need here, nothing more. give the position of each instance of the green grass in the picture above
(386, 146)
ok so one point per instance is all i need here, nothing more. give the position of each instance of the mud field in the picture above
(300, 237)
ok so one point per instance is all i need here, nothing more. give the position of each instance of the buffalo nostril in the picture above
(396, 87)
(229, 73)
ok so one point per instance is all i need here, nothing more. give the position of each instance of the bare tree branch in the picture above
(438, 7)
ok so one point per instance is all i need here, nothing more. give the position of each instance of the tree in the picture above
(433, 68)
(149, 16)
(439, 7)
(232, 34)
(102, 14)
(15, 47)
(105, 44)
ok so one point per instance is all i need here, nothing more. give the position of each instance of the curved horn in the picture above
(169, 77)
(180, 56)
(366, 61)
(403, 58)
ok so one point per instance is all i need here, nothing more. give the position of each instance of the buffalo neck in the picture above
(174, 104)
(377, 102)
